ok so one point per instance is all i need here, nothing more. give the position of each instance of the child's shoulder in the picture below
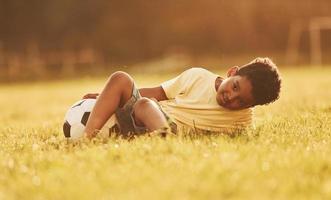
(198, 70)
(193, 69)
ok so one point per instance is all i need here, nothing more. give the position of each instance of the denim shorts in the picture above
(125, 117)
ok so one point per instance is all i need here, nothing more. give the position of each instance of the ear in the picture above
(232, 71)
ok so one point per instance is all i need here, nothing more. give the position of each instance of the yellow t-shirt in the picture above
(192, 103)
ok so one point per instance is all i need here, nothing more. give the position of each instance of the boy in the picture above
(196, 99)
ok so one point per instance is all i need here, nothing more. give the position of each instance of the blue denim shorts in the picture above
(125, 117)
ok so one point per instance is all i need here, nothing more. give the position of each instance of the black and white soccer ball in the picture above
(76, 118)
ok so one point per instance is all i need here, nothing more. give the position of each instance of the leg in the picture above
(116, 92)
(147, 113)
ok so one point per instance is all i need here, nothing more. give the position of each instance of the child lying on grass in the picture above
(197, 99)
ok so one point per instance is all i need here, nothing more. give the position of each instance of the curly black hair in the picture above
(265, 79)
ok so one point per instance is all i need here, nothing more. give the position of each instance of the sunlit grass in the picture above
(287, 156)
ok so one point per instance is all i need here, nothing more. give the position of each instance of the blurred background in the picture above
(44, 39)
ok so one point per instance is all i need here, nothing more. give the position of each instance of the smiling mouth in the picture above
(224, 102)
(224, 99)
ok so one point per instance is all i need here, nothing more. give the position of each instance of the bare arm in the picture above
(90, 96)
(155, 92)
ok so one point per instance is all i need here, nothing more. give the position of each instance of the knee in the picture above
(121, 78)
(143, 105)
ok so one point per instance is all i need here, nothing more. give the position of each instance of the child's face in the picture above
(235, 92)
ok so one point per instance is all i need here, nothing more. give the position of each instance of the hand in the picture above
(90, 96)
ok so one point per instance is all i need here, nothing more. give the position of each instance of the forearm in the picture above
(155, 92)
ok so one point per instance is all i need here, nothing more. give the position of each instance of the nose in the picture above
(231, 96)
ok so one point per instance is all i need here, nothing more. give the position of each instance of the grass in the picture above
(287, 156)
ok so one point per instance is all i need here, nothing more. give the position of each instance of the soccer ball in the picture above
(76, 118)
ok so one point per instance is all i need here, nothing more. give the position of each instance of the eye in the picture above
(235, 87)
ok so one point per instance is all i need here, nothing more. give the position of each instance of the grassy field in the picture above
(287, 156)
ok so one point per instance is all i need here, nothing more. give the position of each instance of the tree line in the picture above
(130, 30)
